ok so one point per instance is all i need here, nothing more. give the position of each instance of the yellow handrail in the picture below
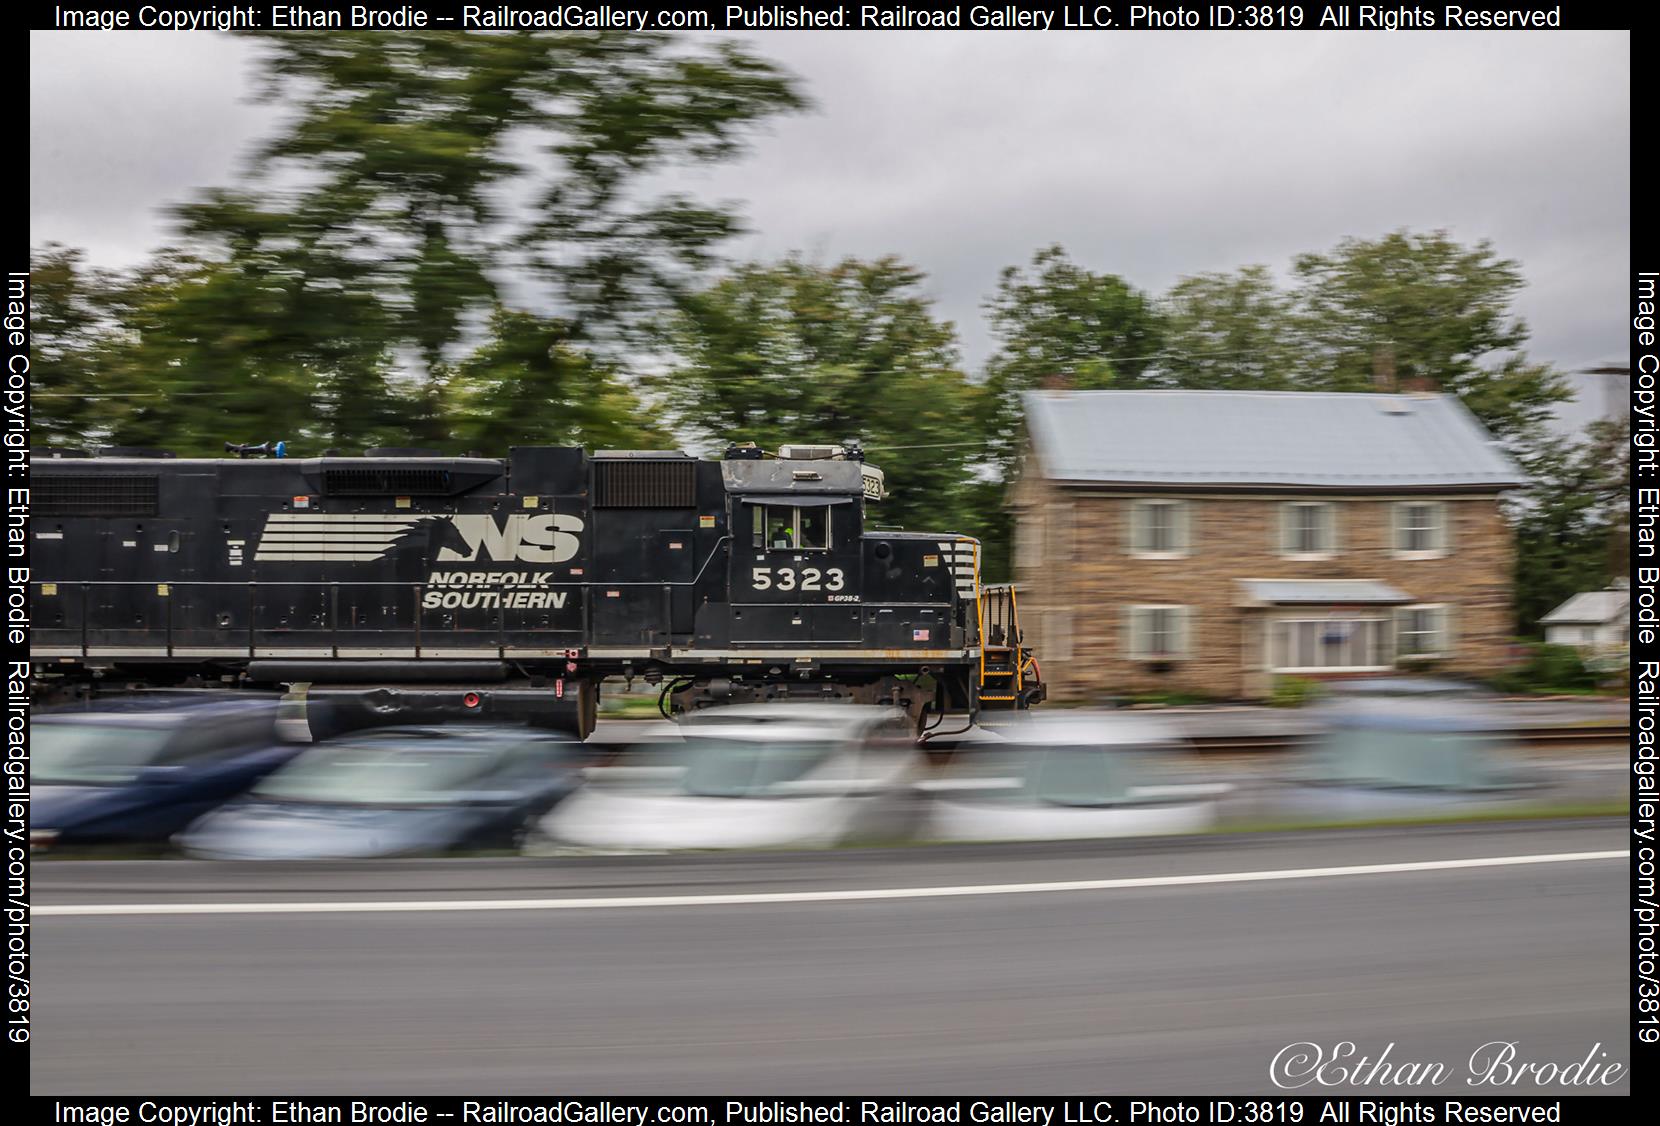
(979, 613)
(1014, 640)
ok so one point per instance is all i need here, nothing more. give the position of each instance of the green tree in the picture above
(792, 352)
(189, 353)
(415, 174)
(1572, 521)
(1230, 331)
(1055, 320)
(1058, 324)
(530, 383)
(1434, 313)
(328, 296)
(68, 324)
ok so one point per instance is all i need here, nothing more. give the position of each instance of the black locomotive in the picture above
(404, 584)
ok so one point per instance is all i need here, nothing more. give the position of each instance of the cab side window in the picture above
(813, 529)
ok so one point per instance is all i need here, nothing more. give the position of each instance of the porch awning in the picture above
(1324, 592)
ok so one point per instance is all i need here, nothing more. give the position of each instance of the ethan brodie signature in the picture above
(1496, 1064)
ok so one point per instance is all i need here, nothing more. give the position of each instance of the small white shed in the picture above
(1594, 620)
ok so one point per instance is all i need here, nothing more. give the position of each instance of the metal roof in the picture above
(1592, 607)
(1328, 440)
(1284, 592)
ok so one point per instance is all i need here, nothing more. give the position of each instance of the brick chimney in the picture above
(1383, 368)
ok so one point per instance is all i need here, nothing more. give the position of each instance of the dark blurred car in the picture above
(140, 769)
(395, 792)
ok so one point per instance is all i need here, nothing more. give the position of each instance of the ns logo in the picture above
(521, 538)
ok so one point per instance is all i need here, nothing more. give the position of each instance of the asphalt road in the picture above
(433, 977)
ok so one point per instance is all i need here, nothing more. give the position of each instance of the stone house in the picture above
(1208, 542)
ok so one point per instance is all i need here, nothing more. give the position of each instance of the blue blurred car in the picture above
(396, 792)
(141, 769)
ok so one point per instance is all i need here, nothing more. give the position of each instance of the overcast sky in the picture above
(1149, 155)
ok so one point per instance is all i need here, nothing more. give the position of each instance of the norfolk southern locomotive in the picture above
(404, 584)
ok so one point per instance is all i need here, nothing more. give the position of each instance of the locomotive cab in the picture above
(796, 572)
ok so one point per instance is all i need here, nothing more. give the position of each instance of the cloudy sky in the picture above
(1149, 155)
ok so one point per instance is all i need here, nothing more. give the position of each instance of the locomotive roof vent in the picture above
(640, 455)
(386, 480)
(810, 453)
(849, 450)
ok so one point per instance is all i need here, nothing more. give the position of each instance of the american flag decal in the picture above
(919, 635)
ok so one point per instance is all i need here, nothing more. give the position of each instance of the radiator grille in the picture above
(386, 481)
(645, 484)
(93, 494)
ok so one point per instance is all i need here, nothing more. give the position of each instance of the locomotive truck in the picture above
(405, 585)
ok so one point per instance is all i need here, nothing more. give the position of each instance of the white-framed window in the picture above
(1028, 548)
(1159, 632)
(1060, 532)
(1308, 529)
(1421, 529)
(1423, 631)
(1159, 529)
(1057, 636)
(1330, 644)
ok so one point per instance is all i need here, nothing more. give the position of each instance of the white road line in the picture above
(847, 896)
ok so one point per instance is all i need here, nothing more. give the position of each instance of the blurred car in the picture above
(1066, 777)
(754, 776)
(395, 792)
(141, 768)
(1396, 747)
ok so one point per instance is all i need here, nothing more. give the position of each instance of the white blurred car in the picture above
(753, 776)
(1078, 775)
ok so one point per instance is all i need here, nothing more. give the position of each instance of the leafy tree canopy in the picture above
(1435, 313)
(792, 352)
(328, 296)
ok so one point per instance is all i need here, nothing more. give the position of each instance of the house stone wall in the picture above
(1077, 575)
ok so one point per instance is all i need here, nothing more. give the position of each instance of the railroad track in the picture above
(1585, 735)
